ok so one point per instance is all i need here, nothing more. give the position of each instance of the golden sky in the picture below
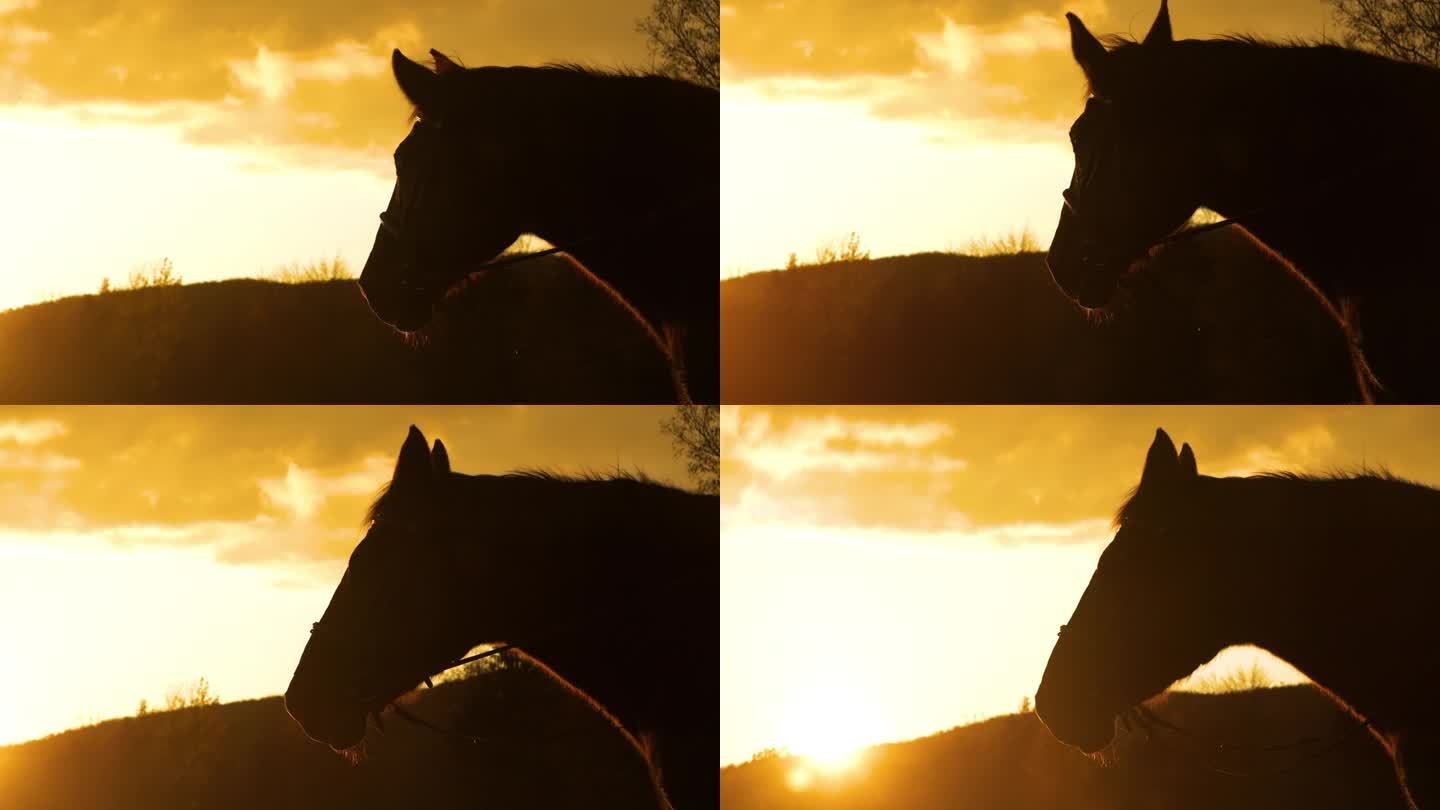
(890, 572)
(143, 548)
(231, 137)
(920, 125)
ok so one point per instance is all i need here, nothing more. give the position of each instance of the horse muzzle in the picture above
(389, 286)
(1084, 280)
(1075, 722)
(337, 724)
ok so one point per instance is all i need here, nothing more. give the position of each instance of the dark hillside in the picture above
(1013, 762)
(537, 332)
(1221, 322)
(544, 748)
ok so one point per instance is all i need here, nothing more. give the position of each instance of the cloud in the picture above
(27, 459)
(961, 48)
(837, 445)
(303, 492)
(34, 431)
(277, 484)
(995, 68)
(262, 539)
(274, 75)
(1303, 449)
(1010, 474)
(808, 464)
(285, 73)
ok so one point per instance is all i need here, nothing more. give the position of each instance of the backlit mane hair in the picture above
(604, 74)
(384, 503)
(1234, 57)
(1361, 475)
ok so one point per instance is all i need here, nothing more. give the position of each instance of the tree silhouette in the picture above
(1401, 29)
(694, 432)
(684, 38)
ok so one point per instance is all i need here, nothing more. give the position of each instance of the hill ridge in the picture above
(1214, 319)
(1011, 761)
(535, 333)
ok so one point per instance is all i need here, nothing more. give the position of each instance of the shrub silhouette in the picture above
(332, 269)
(845, 249)
(153, 274)
(1010, 244)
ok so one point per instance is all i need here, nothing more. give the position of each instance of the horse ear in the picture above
(1162, 466)
(443, 63)
(440, 460)
(416, 81)
(1187, 463)
(1089, 53)
(412, 471)
(1160, 31)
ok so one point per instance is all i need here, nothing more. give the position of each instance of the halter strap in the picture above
(1319, 746)
(1150, 719)
(422, 722)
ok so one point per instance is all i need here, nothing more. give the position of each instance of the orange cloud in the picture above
(1000, 67)
(284, 73)
(1028, 474)
(266, 484)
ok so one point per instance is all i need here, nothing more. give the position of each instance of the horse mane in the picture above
(380, 504)
(622, 72)
(586, 476)
(610, 75)
(385, 502)
(1359, 475)
(1340, 64)
(1119, 42)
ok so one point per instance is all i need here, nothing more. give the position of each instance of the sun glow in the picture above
(829, 726)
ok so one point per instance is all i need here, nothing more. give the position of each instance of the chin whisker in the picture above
(355, 754)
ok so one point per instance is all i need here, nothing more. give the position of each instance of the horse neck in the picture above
(610, 183)
(1318, 153)
(1331, 597)
(589, 589)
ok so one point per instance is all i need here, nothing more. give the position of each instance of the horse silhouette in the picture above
(1333, 574)
(1324, 155)
(620, 171)
(612, 584)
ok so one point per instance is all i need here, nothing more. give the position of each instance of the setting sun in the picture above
(829, 725)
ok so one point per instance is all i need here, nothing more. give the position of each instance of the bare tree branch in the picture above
(1401, 29)
(684, 38)
(694, 432)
